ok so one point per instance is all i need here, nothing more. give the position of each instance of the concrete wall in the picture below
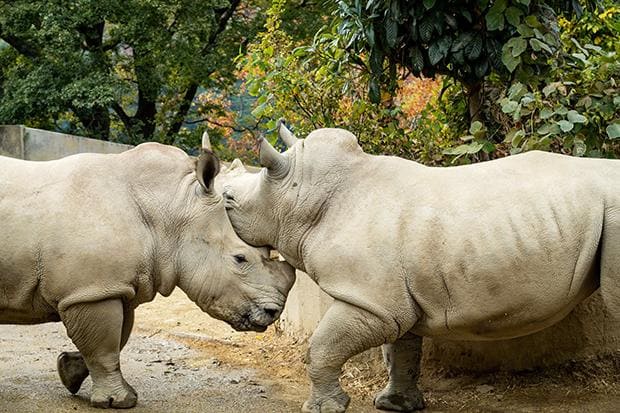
(32, 144)
(587, 331)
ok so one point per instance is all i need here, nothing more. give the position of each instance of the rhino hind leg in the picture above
(610, 265)
(343, 332)
(402, 359)
(96, 330)
(72, 370)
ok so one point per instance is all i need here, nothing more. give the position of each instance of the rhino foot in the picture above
(123, 398)
(72, 370)
(397, 401)
(338, 405)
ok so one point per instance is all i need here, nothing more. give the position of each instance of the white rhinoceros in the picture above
(490, 251)
(86, 239)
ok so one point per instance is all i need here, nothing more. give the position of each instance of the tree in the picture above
(463, 39)
(122, 70)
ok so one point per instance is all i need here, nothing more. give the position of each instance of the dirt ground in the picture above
(181, 360)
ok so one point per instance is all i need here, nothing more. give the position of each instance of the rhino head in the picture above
(281, 203)
(227, 278)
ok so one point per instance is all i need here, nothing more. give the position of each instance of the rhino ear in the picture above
(206, 141)
(207, 168)
(236, 164)
(285, 134)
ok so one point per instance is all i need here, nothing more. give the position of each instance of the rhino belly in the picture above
(21, 301)
(506, 307)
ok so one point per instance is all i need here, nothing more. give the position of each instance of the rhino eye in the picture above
(240, 258)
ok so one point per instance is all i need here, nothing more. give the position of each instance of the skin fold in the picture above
(86, 239)
(489, 251)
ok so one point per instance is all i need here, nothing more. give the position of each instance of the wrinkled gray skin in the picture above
(489, 251)
(86, 239)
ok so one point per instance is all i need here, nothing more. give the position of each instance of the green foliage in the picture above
(465, 40)
(487, 45)
(120, 70)
(315, 86)
(577, 111)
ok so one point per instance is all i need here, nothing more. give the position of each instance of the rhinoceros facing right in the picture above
(489, 251)
(86, 239)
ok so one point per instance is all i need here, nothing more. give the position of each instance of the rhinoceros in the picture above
(495, 250)
(87, 238)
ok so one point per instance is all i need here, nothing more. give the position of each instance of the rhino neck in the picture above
(303, 216)
(165, 218)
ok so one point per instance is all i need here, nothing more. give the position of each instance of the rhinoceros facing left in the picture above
(86, 239)
(489, 251)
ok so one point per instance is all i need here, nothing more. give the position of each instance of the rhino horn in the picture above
(270, 158)
(206, 142)
(285, 134)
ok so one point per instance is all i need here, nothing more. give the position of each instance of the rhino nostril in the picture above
(271, 311)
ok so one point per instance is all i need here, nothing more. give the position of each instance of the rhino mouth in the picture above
(258, 318)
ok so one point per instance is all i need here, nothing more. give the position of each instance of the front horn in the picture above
(285, 134)
(276, 163)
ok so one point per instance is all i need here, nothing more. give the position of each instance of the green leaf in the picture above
(549, 129)
(513, 15)
(470, 148)
(565, 125)
(526, 3)
(495, 16)
(370, 35)
(613, 130)
(439, 50)
(517, 44)
(537, 45)
(428, 4)
(532, 21)
(417, 60)
(586, 102)
(391, 32)
(478, 130)
(488, 147)
(511, 62)
(509, 106)
(515, 137)
(575, 117)
(516, 91)
(581, 57)
(524, 30)
(434, 54)
(462, 41)
(426, 29)
(376, 61)
(550, 88)
(579, 147)
(474, 48)
(546, 113)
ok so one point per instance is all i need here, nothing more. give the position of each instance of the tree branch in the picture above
(122, 115)
(184, 107)
(222, 23)
(20, 45)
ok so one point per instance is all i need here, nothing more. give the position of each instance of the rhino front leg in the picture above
(343, 332)
(402, 359)
(71, 365)
(96, 329)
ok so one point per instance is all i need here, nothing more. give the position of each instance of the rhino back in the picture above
(71, 230)
(496, 248)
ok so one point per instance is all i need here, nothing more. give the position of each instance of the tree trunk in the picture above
(473, 92)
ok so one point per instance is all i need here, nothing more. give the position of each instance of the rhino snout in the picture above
(263, 315)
